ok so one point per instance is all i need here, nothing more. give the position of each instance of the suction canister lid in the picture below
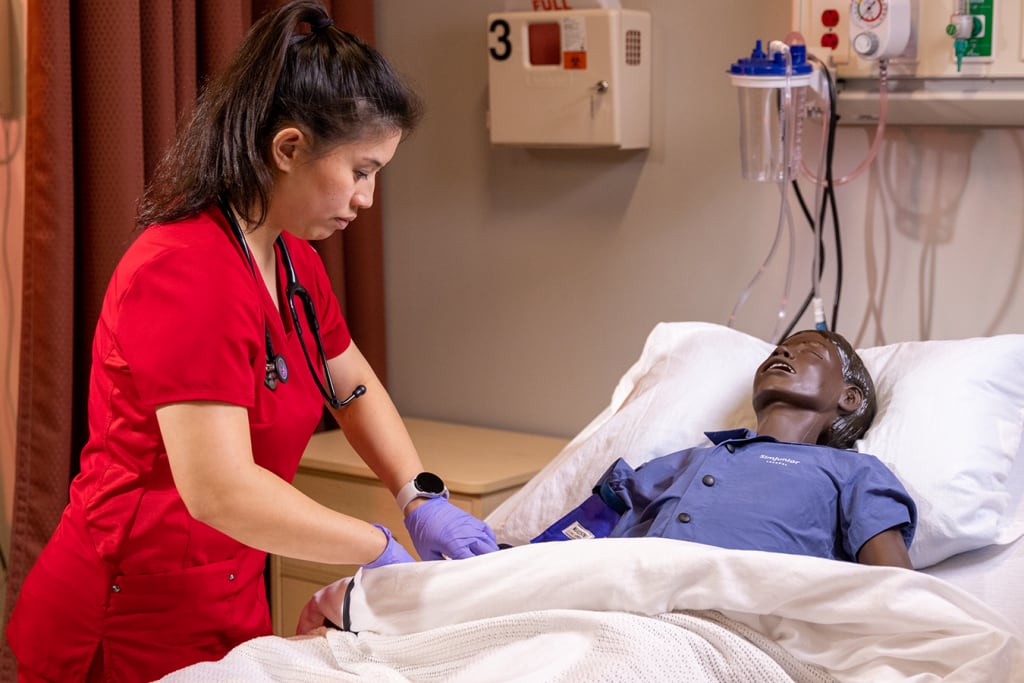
(761, 71)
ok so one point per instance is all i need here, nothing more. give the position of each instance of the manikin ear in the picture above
(287, 148)
(850, 399)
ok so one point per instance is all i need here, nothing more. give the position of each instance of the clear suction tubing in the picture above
(771, 88)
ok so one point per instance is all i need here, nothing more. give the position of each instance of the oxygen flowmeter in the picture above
(970, 26)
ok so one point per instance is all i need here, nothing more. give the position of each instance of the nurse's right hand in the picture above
(393, 553)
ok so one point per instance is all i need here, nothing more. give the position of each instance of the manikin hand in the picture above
(393, 552)
(439, 529)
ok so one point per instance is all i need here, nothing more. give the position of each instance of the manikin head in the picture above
(814, 388)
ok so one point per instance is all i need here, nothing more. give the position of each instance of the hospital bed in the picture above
(950, 422)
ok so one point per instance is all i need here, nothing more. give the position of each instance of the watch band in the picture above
(423, 485)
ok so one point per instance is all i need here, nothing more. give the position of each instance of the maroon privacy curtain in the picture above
(107, 81)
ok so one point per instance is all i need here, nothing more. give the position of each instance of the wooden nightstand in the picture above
(481, 467)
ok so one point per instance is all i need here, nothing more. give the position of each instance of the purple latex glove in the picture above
(439, 529)
(393, 553)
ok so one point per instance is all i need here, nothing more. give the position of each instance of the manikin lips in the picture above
(780, 365)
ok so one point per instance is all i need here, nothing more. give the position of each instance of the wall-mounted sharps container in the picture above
(771, 89)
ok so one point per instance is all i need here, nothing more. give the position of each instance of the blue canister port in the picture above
(760, 64)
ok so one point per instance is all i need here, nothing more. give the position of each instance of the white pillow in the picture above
(950, 422)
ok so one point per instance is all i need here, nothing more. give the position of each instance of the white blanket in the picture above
(638, 610)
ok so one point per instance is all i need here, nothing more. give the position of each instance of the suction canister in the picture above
(771, 88)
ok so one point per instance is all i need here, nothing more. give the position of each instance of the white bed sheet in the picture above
(995, 573)
(643, 609)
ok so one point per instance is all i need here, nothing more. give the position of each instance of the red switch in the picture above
(830, 18)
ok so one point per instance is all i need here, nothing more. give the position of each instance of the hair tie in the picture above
(321, 23)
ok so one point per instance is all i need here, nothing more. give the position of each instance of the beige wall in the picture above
(522, 283)
(12, 213)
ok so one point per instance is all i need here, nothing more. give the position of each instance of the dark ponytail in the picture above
(323, 80)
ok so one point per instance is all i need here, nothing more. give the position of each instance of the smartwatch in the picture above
(423, 485)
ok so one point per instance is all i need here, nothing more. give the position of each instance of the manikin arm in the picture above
(886, 548)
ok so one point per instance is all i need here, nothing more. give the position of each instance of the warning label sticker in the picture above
(574, 43)
(574, 60)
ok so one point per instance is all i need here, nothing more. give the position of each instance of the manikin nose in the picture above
(782, 351)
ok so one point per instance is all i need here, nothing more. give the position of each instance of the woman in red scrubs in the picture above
(201, 396)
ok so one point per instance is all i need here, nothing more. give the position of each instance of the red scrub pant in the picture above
(77, 620)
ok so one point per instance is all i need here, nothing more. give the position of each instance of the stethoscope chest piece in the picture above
(277, 371)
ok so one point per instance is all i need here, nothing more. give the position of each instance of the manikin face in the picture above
(315, 196)
(804, 371)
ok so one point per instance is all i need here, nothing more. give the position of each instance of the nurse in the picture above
(218, 344)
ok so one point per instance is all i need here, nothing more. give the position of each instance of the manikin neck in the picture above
(792, 424)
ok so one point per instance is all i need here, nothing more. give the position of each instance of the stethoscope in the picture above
(276, 367)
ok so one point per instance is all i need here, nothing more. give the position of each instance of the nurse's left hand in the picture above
(393, 552)
(439, 529)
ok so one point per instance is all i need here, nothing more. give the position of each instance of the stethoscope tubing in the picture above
(277, 367)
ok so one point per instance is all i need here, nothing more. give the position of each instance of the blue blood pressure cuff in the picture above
(595, 517)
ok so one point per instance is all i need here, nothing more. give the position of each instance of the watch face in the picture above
(428, 482)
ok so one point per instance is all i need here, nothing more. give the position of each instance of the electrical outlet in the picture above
(825, 25)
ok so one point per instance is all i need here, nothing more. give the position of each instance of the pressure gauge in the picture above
(880, 29)
(869, 12)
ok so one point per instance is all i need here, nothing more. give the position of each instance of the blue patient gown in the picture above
(748, 492)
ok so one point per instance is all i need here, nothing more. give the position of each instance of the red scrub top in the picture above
(129, 570)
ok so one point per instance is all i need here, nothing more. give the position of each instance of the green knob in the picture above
(950, 30)
(976, 27)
